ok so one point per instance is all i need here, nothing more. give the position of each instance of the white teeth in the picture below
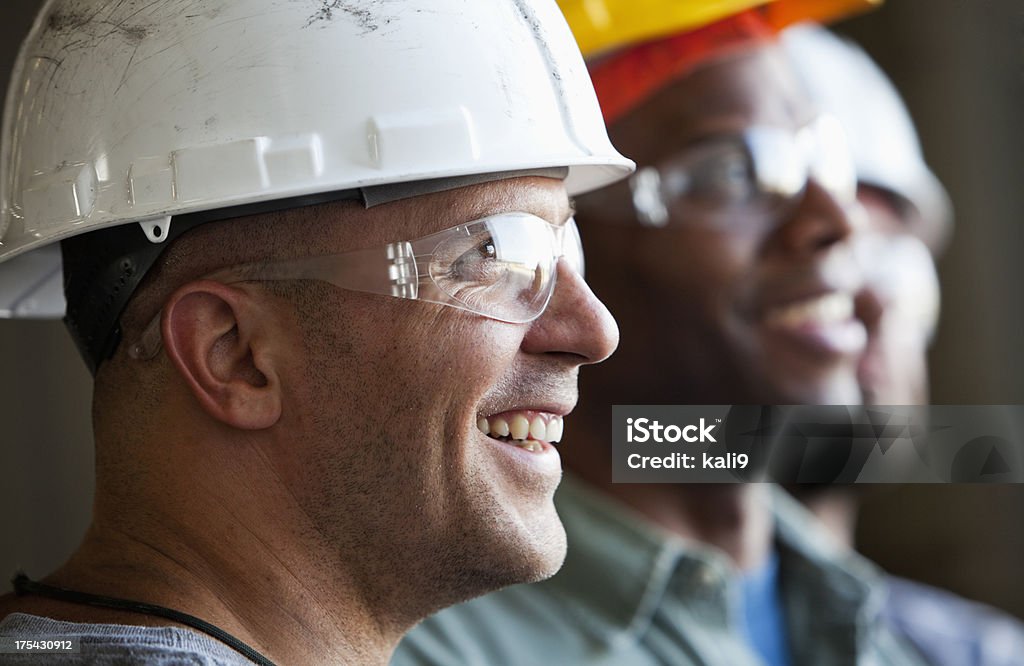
(828, 309)
(499, 427)
(531, 445)
(555, 429)
(538, 429)
(524, 427)
(519, 427)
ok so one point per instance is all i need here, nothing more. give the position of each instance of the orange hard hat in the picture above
(603, 25)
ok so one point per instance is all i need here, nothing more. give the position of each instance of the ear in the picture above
(217, 337)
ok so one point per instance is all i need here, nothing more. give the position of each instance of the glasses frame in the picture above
(403, 269)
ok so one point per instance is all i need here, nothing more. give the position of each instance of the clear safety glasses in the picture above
(502, 266)
(726, 179)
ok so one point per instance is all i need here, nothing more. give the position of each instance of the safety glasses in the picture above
(502, 266)
(761, 171)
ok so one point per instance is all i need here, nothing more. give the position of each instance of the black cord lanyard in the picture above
(24, 585)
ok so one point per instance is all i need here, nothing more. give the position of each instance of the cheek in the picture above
(391, 387)
(451, 356)
(425, 375)
(698, 268)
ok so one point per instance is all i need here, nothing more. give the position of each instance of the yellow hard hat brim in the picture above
(604, 25)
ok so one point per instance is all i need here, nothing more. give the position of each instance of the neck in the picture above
(252, 568)
(836, 508)
(730, 517)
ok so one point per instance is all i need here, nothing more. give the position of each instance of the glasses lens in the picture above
(722, 181)
(501, 266)
(709, 176)
(830, 161)
(779, 163)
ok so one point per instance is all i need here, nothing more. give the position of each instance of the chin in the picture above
(526, 544)
(549, 556)
(539, 548)
(506, 559)
(837, 387)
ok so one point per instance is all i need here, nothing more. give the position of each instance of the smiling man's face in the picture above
(754, 306)
(392, 465)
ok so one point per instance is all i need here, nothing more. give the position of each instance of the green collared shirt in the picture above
(633, 594)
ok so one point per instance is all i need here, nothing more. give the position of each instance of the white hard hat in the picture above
(845, 82)
(121, 112)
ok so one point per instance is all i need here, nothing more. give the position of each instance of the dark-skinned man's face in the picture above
(727, 303)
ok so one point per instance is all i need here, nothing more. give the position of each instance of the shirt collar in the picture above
(619, 564)
(847, 586)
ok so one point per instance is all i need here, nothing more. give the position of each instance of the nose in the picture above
(819, 222)
(575, 322)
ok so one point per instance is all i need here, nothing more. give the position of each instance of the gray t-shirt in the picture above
(116, 644)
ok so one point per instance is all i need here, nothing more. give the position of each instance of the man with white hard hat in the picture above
(307, 248)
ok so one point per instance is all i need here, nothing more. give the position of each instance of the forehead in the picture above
(755, 86)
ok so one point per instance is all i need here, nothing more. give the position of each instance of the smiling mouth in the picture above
(527, 429)
(824, 324)
(824, 310)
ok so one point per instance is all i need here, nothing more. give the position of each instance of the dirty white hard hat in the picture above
(126, 112)
(846, 83)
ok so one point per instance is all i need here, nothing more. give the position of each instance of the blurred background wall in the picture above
(46, 460)
(960, 67)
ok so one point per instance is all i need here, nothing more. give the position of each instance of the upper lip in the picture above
(835, 273)
(559, 405)
(562, 409)
(781, 294)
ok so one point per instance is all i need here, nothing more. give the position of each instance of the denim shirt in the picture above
(631, 594)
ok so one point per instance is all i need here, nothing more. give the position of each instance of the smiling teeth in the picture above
(555, 430)
(522, 430)
(538, 429)
(499, 427)
(828, 309)
(519, 427)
